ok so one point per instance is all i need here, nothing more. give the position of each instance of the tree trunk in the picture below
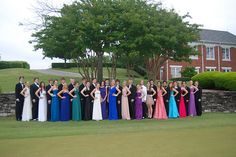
(65, 63)
(100, 66)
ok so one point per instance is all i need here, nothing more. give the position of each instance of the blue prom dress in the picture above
(65, 107)
(55, 107)
(112, 104)
(173, 111)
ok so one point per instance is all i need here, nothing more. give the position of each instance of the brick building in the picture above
(217, 52)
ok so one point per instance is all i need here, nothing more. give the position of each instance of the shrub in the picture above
(217, 80)
(188, 72)
(14, 64)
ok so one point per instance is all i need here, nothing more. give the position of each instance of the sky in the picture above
(14, 39)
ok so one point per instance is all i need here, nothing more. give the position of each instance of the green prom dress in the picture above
(76, 107)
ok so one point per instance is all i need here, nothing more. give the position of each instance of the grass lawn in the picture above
(121, 73)
(213, 134)
(9, 77)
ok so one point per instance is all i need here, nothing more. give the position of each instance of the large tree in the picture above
(131, 30)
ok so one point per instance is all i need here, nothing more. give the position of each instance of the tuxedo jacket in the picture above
(70, 87)
(60, 87)
(133, 90)
(48, 87)
(177, 97)
(19, 87)
(166, 97)
(92, 87)
(119, 96)
(155, 88)
(81, 87)
(187, 96)
(33, 89)
(198, 94)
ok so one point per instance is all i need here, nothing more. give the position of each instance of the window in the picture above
(225, 54)
(193, 57)
(226, 69)
(161, 74)
(175, 71)
(210, 68)
(210, 53)
(197, 69)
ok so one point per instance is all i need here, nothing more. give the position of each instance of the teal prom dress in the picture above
(55, 107)
(173, 111)
(76, 107)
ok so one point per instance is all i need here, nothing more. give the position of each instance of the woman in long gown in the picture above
(41, 94)
(65, 103)
(103, 91)
(88, 105)
(113, 115)
(192, 108)
(150, 101)
(182, 108)
(160, 110)
(97, 110)
(124, 102)
(76, 104)
(173, 110)
(27, 108)
(55, 116)
(138, 103)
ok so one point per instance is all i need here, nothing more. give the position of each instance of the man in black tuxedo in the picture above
(198, 99)
(60, 86)
(49, 99)
(166, 97)
(118, 99)
(19, 98)
(82, 98)
(186, 97)
(35, 100)
(70, 87)
(131, 98)
(177, 97)
(155, 96)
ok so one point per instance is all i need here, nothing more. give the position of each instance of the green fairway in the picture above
(9, 77)
(121, 73)
(213, 134)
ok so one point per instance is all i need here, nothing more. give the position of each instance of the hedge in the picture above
(217, 80)
(14, 64)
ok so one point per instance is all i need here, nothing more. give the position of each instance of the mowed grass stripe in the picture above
(215, 142)
(10, 129)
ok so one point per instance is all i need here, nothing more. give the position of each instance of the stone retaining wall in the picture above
(212, 101)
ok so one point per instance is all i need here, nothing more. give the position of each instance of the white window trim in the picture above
(229, 54)
(194, 57)
(229, 69)
(197, 69)
(210, 67)
(213, 53)
(175, 66)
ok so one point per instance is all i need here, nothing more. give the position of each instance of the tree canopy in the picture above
(129, 30)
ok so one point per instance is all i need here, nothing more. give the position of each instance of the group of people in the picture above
(106, 100)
